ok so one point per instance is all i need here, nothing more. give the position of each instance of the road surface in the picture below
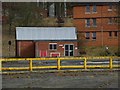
(93, 79)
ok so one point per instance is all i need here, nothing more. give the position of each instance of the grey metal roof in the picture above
(46, 33)
(60, 0)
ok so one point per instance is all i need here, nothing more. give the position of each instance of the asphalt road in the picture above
(93, 79)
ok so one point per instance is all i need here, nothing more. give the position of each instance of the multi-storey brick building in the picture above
(96, 24)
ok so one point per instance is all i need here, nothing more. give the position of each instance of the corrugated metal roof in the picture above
(46, 33)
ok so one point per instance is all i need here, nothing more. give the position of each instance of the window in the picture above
(87, 35)
(87, 8)
(94, 8)
(115, 7)
(69, 50)
(52, 46)
(110, 21)
(94, 22)
(87, 22)
(110, 34)
(94, 35)
(110, 6)
(115, 34)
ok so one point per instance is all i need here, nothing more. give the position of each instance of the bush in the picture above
(99, 51)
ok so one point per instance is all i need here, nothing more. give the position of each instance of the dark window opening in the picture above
(87, 22)
(87, 35)
(110, 21)
(94, 35)
(52, 46)
(110, 6)
(94, 22)
(87, 8)
(115, 34)
(94, 8)
(110, 34)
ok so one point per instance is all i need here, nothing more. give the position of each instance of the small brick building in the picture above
(46, 41)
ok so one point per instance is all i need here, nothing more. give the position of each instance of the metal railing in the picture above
(58, 66)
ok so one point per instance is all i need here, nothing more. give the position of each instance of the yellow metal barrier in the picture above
(110, 64)
(58, 63)
(58, 66)
(30, 65)
(85, 67)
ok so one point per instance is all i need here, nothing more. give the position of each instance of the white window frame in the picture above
(96, 22)
(93, 36)
(110, 19)
(68, 49)
(52, 46)
(86, 35)
(87, 12)
(110, 9)
(95, 9)
(86, 23)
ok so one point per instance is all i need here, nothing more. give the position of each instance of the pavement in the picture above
(62, 79)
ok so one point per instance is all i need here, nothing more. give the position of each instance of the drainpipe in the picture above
(101, 26)
(65, 8)
(37, 3)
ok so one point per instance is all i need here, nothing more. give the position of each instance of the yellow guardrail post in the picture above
(0, 66)
(30, 65)
(110, 63)
(58, 63)
(85, 66)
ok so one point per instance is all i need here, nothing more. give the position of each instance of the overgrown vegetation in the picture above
(24, 14)
(98, 51)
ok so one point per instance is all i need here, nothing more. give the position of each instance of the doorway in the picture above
(68, 50)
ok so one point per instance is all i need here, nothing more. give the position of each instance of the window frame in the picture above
(93, 37)
(110, 6)
(87, 35)
(87, 24)
(54, 46)
(115, 34)
(87, 9)
(94, 9)
(110, 21)
(94, 24)
(110, 33)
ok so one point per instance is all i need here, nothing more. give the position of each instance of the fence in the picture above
(59, 66)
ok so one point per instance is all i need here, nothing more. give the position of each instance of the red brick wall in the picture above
(25, 49)
(44, 46)
(106, 40)
(102, 23)
(101, 11)
(102, 17)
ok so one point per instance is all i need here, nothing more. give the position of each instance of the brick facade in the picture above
(44, 46)
(103, 27)
(33, 49)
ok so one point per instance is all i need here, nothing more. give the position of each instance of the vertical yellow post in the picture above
(58, 63)
(85, 66)
(110, 63)
(30, 65)
(0, 66)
